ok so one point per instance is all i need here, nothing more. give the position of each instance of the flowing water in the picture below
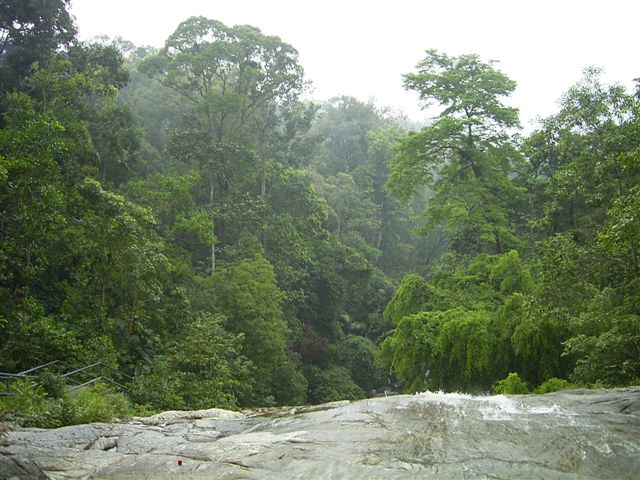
(565, 435)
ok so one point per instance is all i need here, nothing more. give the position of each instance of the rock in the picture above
(161, 467)
(103, 443)
(202, 436)
(145, 441)
(13, 468)
(562, 435)
(173, 416)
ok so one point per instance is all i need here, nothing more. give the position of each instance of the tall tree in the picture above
(341, 133)
(235, 77)
(582, 158)
(29, 32)
(464, 155)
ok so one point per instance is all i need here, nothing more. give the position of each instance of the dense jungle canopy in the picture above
(184, 215)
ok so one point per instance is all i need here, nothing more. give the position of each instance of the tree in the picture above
(33, 148)
(357, 354)
(235, 78)
(228, 72)
(408, 351)
(295, 222)
(30, 31)
(392, 233)
(464, 155)
(463, 352)
(352, 211)
(247, 295)
(413, 295)
(582, 158)
(511, 385)
(341, 134)
(119, 270)
(202, 368)
(78, 88)
(179, 220)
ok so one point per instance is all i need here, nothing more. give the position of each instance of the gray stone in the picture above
(207, 436)
(564, 435)
(19, 468)
(103, 443)
(173, 416)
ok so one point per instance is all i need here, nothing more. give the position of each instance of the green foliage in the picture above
(509, 275)
(204, 230)
(202, 368)
(464, 84)
(247, 295)
(511, 385)
(414, 295)
(99, 403)
(537, 343)
(32, 198)
(118, 281)
(31, 336)
(33, 407)
(463, 352)
(554, 385)
(53, 384)
(179, 220)
(357, 354)
(332, 384)
(610, 357)
(464, 156)
(407, 351)
(159, 387)
(31, 31)
(621, 237)
(28, 403)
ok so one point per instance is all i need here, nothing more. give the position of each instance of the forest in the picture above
(185, 216)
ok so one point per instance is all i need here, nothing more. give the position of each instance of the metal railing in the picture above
(75, 379)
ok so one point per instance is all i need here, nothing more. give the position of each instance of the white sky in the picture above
(362, 48)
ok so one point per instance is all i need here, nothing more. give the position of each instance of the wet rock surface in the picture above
(564, 435)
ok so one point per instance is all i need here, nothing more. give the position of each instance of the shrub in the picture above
(331, 384)
(554, 385)
(52, 383)
(512, 385)
(98, 403)
(31, 407)
(158, 389)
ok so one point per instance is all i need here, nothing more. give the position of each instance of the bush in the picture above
(32, 408)
(512, 385)
(98, 403)
(357, 354)
(331, 384)
(52, 383)
(554, 385)
(158, 389)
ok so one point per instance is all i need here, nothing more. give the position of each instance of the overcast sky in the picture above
(362, 48)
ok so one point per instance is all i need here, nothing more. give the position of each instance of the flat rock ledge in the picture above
(564, 435)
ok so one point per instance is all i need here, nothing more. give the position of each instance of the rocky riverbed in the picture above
(564, 435)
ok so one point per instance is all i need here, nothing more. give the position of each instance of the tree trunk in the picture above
(498, 243)
(213, 233)
(634, 256)
(213, 258)
(263, 193)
